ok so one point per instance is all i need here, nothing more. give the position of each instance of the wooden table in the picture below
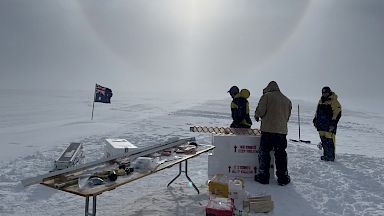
(94, 191)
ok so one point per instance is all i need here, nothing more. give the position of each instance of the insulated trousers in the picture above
(278, 143)
(328, 141)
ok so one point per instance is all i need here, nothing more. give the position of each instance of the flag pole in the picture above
(93, 105)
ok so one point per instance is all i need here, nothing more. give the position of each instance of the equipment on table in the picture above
(70, 157)
(187, 149)
(132, 155)
(117, 146)
(143, 164)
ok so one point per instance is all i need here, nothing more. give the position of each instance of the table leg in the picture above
(86, 205)
(186, 174)
(176, 176)
(93, 213)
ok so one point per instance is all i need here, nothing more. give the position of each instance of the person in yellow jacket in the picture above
(327, 116)
(274, 109)
(240, 108)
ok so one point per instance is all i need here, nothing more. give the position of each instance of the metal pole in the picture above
(298, 116)
(186, 174)
(176, 176)
(87, 206)
(93, 105)
(94, 206)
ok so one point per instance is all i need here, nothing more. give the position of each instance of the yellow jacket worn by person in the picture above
(328, 113)
(240, 110)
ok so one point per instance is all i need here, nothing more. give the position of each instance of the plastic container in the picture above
(237, 194)
(143, 164)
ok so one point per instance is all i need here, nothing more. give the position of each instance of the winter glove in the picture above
(320, 146)
(332, 129)
(257, 118)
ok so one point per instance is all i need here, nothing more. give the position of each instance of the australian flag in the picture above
(103, 94)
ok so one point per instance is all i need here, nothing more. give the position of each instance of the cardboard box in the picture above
(236, 145)
(115, 147)
(245, 168)
(240, 167)
(260, 204)
(218, 185)
(236, 156)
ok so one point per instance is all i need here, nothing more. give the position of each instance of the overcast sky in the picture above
(199, 47)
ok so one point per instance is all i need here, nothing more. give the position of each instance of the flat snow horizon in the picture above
(36, 128)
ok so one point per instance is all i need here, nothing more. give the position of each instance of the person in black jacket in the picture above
(240, 108)
(327, 116)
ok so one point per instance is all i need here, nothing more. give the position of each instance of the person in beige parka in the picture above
(274, 110)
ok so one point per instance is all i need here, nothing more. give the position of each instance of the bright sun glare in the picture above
(194, 14)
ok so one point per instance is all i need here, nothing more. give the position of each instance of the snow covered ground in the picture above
(36, 127)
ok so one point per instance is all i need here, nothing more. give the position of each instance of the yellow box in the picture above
(259, 204)
(218, 185)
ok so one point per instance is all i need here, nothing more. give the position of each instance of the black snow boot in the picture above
(262, 179)
(323, 158)
(284, 180)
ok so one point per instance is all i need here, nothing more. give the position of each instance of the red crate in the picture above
(219, 208)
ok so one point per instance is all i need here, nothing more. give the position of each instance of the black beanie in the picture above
(234, 89)
(326, 89)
